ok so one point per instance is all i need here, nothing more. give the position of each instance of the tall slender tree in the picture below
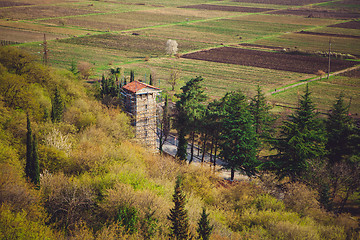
(302, 139)
(57, 107)
(132, 76)
(32, 158)
(178, 216)
(164, 125)
(29, 149)
(238, 137)
(35, 172)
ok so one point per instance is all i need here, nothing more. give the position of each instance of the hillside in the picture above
(93, 176)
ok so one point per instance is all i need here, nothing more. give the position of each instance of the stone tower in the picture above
(140, 103)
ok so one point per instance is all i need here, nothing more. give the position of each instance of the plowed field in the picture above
(351, 25)
(329, 34)
(318, 13)
(228, 8)
(270, 60)
(283, 2)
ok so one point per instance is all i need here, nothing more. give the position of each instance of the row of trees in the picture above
(318, 151)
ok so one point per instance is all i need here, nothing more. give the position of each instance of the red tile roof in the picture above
(135, 86)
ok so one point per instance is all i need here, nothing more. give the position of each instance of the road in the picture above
(170, 147)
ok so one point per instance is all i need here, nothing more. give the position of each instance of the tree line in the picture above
(321, 152)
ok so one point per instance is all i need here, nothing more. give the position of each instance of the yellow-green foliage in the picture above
(91, 167)
(17, 225)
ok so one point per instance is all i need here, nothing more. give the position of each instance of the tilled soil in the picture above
(271, 60)
(227, 8)
(329, 34)
(351, 25)
(353, 73)
(312, 13)
(283, 2)
(11, 4)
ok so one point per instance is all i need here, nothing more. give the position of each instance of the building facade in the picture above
(140, 103)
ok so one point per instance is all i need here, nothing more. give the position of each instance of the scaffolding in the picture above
(140, 103)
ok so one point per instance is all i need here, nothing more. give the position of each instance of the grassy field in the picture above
(324, 93)
(100, 32)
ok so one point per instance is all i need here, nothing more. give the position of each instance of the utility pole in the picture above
(329, 58)
(45, 60)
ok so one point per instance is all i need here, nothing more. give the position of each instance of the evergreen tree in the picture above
(57, 107)
(164, 125)
(263, 121)
(35, 172)
(238, 138)
(132, 76)
(301, 139)
(179, 228)
(151, 82)
(189, 112)
(339, 128)
(204, 228)
(29, 149)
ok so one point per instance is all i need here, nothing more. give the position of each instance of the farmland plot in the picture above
(132, 43)
(283, 2)
(121, 21)
(23, 36)
(270, 60)
(313, 43)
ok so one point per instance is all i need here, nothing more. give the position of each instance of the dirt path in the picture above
(314, 79)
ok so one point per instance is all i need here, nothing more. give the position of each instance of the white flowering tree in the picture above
(171, 47)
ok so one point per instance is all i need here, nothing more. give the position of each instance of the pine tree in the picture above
(29, 149)
(189, 111)
(179, 228)
(263, 121)
(57, 107)
(339, 130)
(301, 139)
(238, 138)
(204, 228)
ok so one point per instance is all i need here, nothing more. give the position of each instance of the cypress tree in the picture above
(35, 172)
(29, 149)
(179, 228)
(204, 228)
(151, 80)
(57, 107)
(132, 76)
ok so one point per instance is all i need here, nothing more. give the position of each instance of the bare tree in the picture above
(85, 69)
(173, 78)
(171, 47)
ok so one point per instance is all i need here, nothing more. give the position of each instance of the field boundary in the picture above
(311, 80)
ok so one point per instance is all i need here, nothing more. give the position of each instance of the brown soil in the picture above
(261, 46)
(351, 25)
(270, 60)
(34, 12)
(283, 2)
(353, 74)
(312, 13)
(227, 8)
(329, 34)
(11, 4)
